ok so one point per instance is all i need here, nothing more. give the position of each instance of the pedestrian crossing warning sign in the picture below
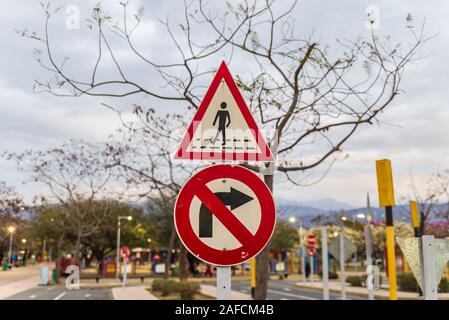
(223, 127)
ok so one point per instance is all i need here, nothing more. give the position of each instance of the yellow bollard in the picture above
(415, 218)
(447, 271)
(386, 199)
(391, 263)
(253, 276)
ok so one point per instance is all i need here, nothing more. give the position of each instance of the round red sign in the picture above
(311, 241)
(125, 252)
(225, 215)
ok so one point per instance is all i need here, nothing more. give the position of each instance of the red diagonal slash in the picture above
(226, 217)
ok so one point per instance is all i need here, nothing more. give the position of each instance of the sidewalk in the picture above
(380, 294)
(211, 291)
(132, 293)
(17, 280)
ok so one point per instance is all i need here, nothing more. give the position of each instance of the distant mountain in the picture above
(288, 209)
(312, 207)
(327, 204)
(310, 215)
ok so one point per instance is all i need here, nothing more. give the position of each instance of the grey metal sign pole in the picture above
(368, 245)
(311, 268)
(325, 258)
(369, 249)
(303, 254)
(429, 268)
(369, 259)
(117, 256)
(368, 237)
(125, 271)
(342, 266)
(223, 283)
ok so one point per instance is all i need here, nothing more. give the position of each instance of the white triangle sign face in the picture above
(223, 127)
(411, 248)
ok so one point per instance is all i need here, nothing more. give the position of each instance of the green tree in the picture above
(285, 236)
(12, 210)
(134, 233)
(48, 222)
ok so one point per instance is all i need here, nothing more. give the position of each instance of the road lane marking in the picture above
(87, 295)
(291, 295)
(33, 296)
(284, 298)
(287, 289)
(60, 296)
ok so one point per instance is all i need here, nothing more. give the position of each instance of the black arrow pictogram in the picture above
(234, 199)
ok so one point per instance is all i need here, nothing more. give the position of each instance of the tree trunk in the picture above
(262, 260)
(171, 244)
(58, 257)
(99, 255)
(183, 274)
(77, 248)
(422, 225)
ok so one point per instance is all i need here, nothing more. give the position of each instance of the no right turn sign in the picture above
(225, 215)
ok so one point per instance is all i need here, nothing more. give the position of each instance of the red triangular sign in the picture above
(223, 127)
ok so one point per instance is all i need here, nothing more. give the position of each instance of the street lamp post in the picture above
(303, 249)
(303, 253)
(119, 223)
(25, 256)
(11, 231)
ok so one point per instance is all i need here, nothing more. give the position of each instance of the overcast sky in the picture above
(415, 134)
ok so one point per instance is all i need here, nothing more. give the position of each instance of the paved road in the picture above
(286, 290)
(61, 293)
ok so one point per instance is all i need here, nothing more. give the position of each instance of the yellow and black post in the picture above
(415, 218)
(253, 276)
(386, 199)
(416, 225)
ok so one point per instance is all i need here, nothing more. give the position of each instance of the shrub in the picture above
(157, 285)
(187, 289)
(356, 281)
(169, 286)
(165, 287)
(332, 275)
(407, 282)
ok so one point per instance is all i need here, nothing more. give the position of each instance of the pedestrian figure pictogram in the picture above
(224, 120)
